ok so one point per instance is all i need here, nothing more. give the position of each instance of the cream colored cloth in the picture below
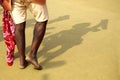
(19, 13)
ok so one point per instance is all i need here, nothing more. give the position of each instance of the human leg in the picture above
(20, 42)
(41, 16)
(19, 18)
(38, 34)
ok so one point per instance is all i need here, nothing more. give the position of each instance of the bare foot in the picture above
(34, 62)
(23, 64)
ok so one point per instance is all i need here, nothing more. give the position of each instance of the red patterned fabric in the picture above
(8, 35)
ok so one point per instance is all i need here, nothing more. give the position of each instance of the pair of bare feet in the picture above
(31, 60)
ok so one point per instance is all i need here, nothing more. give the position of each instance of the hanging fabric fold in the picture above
(9, 36)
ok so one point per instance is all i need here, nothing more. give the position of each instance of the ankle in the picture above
(32, 56)
(22, 58)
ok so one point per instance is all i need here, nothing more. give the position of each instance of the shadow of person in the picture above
(60, 18)
(56, 44)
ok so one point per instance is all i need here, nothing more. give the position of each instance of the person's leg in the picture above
(39, 31)
(41, 16)
(19, 18)
(20, 42)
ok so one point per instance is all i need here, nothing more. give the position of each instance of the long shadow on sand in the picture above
(65, 40)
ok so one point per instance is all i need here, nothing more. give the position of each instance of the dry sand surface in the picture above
(82, 42)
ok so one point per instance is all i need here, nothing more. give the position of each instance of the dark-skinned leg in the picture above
(20, 42)
(39, 31)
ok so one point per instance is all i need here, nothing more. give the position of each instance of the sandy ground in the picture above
(81, 43)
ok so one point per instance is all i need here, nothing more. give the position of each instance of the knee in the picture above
(20, 27)
(41, 26)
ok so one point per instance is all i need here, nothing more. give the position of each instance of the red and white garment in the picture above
(9, 36)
